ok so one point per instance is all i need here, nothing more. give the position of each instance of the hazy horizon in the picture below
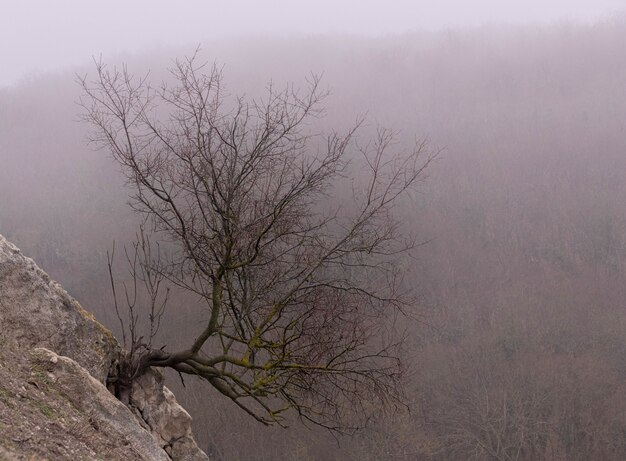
(38, 37)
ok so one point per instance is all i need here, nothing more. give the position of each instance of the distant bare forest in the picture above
(517, 349)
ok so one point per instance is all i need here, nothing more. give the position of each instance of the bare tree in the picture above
(300, 290)
(145, 299)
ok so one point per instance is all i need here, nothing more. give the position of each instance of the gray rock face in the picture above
(54, 362)
(169, 423)
(91, 397)
(37, 312)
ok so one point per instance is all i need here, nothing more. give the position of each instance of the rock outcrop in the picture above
(54, 362)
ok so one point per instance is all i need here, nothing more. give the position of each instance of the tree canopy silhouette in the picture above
(300, 284)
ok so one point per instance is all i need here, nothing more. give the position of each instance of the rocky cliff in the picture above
(54, 362)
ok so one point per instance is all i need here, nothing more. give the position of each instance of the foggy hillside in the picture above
(517, 349)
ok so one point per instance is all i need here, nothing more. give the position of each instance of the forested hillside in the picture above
(517, 347)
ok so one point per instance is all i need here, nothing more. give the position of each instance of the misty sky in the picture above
(46, 35)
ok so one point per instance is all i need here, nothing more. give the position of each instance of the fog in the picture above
(38, 36)
(516, 347)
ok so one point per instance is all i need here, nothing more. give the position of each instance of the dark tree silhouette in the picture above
(300, 288)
